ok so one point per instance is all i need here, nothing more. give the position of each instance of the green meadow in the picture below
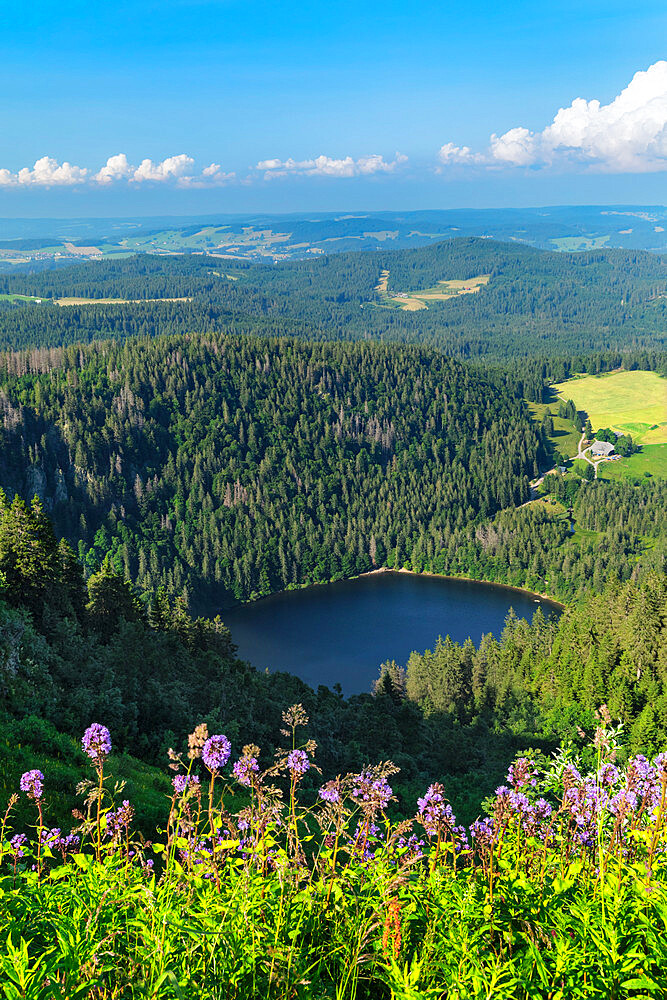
(20, 298)
(630, 402)
(565, 436)
(652, 459)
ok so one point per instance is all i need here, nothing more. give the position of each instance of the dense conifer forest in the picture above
(287, 426)
(536, 303)
(217, 465)
(188, 470)
(71, 651)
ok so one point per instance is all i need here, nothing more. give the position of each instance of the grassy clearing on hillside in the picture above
(76, 301)
(20, 298)
(632, 402)
(570, 243)
(652, 458)
(565, 436)
(444, 290)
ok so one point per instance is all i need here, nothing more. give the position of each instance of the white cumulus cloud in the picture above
(172, 168)
(46, 172)
(450, 154)
(116, 168)
(328, 166)
(177, 170)
(627, 135)
(517, 146)
(211, 176)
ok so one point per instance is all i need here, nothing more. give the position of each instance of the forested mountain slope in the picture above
(70, 652)
(221, 466)
(535, 302)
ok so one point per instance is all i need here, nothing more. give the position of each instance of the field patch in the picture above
(382, 283)
(72, 300)
(574, 243)
(11, 297)
(565, 437)
(628, 402)
(441, 292)
(652, 459)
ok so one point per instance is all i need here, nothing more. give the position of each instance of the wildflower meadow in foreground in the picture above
(266, 883)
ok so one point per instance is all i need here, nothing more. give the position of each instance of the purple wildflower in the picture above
(183, 781)
(330, 792)
(17, 843)
(50, 838)
(118, 821)
(660, 764)
(412, 847)
(483, 832)
(298, 763)
(215, 752)
(244, 769)
(435, 813)
(542, 809)
(519, 803)
(584, 802)
(96, 742)
(32, 784)
(371, 792)
(641, 777)
(522, 773)
(623, 803)
(361, 842)
(608, 774)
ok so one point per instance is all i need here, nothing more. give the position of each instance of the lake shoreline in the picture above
(340, 632)
(465, 579)
(386, 569)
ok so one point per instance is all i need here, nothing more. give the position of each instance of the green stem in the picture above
(100, 774)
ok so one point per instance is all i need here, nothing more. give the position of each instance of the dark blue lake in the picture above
(343, 631)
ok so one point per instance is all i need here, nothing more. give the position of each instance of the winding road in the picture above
(580, 454)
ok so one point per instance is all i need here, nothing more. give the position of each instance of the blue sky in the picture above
(244, 105)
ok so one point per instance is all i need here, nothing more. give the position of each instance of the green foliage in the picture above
(152, 674)
(563, 887)
(536, 304)
(543, 679)
(225, 468)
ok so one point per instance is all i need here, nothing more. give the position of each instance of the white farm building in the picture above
(602, 449)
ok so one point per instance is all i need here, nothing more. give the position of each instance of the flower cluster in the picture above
(244, 770)
(435, 812)
(371, 790)
(55, 841)
(17, 843)
(215, 752)
(118, 821)
(32, 783)
(181, 782)
(574, 808)
(483, 833)
(297, 763)
(96, 742)
(330, 792)
(522, 773)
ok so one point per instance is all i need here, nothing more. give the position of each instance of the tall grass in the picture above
(560, 892)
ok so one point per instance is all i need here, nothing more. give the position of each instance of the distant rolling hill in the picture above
(53, 242)
(471, 297)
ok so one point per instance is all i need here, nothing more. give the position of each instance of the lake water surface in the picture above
(342, 632)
